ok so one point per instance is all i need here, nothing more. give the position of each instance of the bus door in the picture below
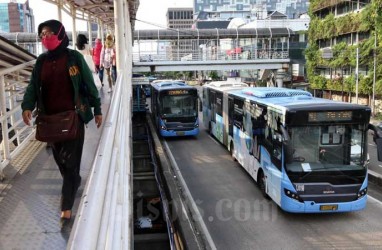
(272, 164)
(213, 111)
(230, 116)
(213, 105)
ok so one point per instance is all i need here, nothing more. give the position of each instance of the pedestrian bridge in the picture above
(206, 49)
(30, 182)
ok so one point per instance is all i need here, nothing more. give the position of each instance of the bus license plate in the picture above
(329, 207)
(180, 133)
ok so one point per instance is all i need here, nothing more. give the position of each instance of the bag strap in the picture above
(40, 61)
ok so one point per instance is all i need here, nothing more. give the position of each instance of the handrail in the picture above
(14, 133)
(103, 218)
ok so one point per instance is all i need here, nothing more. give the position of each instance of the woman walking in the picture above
(107, 57)
(55, 85)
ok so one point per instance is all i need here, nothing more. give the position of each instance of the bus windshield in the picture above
(325, 148)
(178, 105)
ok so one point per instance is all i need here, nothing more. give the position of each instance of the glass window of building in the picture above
(4, 19)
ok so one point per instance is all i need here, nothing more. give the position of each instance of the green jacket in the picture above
(79, 74)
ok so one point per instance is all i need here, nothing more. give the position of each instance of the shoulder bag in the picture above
(58, 127)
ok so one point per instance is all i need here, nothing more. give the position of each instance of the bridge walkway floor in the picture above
(30, 194)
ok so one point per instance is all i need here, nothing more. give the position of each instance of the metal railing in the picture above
(172, 53)
(104, 219)
(14, 133)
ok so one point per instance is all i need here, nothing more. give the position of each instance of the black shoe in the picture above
(65, 222)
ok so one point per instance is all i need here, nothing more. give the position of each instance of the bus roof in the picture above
(292, 99)
(226, 85)
(170, 84)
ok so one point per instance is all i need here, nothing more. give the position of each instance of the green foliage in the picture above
(365, 85)
(334, 84)
(344, 56)
(214, 75)
(330, 26)
(317, 82)
(341, 55)
(349, 84)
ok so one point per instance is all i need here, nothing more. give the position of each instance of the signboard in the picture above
(178, 92)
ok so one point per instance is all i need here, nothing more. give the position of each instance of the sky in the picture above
(154, 11)
(149, 11)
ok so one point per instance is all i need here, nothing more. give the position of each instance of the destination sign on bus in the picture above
(330, 116)
(178, 92)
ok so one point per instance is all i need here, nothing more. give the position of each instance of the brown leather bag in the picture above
(58, 127)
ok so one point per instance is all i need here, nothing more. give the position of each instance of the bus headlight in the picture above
(196, 125)
(362, 193)
(163, 127)
(292, 195)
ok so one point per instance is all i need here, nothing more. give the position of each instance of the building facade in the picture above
(16, 17)
(343, 36)
(291, 8)
(179, 18)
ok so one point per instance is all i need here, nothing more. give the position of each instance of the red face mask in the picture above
(51, 42)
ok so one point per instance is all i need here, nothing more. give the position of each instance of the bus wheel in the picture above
(261, 183)
(231, 150)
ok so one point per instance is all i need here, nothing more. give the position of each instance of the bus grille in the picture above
(324, 192)
(180, 126)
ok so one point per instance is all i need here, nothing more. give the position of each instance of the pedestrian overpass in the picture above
(200, 50)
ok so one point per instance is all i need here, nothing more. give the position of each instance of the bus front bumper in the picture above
(293, 206)
(172, 133)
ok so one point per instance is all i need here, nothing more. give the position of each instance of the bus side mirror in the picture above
(377, 138)
(200, 105)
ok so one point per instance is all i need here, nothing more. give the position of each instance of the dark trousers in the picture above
(100, 73)
(68, 158)
(114, 73)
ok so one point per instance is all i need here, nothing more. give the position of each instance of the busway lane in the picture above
(238, 217)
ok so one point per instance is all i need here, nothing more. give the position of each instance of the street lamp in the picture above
(374, 73)
(356, 76)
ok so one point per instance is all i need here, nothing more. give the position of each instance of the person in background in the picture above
(97, 59)
(54, 87)
(114, 66)
(107, 57)
(83, 47)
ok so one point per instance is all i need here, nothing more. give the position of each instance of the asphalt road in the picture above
(238, 217)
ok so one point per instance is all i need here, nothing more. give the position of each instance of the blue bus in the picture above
(309, 155)
(214, 100)
(174, 108)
